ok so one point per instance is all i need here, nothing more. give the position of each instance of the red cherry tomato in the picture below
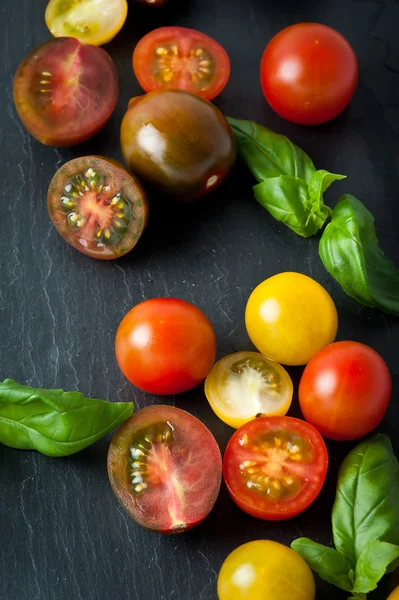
(165, 468)
(345, 390)
(309, 73)
(165, 346)
(274, 467)
(177, 57)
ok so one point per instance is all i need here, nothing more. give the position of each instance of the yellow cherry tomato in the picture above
(394, 595)
(90, 21)
(263, 570)
(289, 317)
(245, 385)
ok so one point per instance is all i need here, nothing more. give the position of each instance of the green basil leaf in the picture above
(326, 562)
(268, 154)
(372, 565)
(318, 184)
(366, 507)
(351, 253)
(54, 422)
(287, 200)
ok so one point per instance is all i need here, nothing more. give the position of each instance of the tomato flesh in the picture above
(177, 57)
(65, 91)
(345, 390)
(274, 467)
(165, 468)
(97, 206)
(309, 73)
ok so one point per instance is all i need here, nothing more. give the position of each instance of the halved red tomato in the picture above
(97, 206)
(65, 91)
(165, 468)
(274, 467)
(177, 57)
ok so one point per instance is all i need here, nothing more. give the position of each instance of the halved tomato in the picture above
(177, 57)
(97, 206)
(245, 385)
(274, 467)
(165, 468)
(65, 91)
(90, 21)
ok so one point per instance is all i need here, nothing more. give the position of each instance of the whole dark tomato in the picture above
(179, 142)
(165, 468)
(97, 206)
(274, 467)
(165, 346)
(65, 91)
(345, 390)
(309, 73)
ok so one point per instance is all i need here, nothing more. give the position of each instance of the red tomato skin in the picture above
(287, 509)
(309, 73)
(165, 346)
(357, 389)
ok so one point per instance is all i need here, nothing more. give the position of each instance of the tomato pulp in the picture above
(165, 468)
(275, 467)
(309, 73)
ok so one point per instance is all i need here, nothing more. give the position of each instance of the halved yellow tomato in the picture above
(90, 21)
(245, 385)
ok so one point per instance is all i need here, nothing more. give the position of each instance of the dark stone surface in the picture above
(63, 534)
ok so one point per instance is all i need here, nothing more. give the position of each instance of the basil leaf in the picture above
(372, 564)
(268, 154)
(54, 422)
(366, 507)
(351, 253)
(326, 562)
(318, 184)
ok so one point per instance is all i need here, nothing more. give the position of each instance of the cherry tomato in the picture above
(274, 467)
(289, 317)
(97, 206)
(309, 73)
(179, 142)
(345, 390)
(165, 346)
(90, 21)
(64, 91)
(165, 468)
(394, 595)
(177, 57)
(245, 385)
(265, 570)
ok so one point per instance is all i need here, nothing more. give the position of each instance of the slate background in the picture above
(63, 535)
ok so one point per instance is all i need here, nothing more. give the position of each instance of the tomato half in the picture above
(65, 91)
(274, 467)
(97, 206)
(165, 346)
(165, 468)
(309, 73)
(345, 390)
(265, 570)
(90, 21)
(245, 385)
(289, 317)
(177, 57)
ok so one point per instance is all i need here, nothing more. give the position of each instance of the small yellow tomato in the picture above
(394, 595)
(263, 570)
(90, 21)
(289, 317)
(245, 385)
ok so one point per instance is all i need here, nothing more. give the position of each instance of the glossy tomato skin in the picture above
(117, 195)
(254, 461)
(165, 468)
(179, 142)
(165, 346)
(251, 572)
(289, 317)
(345, 390)
(394, 595)
(65, 91)
(309, 73)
